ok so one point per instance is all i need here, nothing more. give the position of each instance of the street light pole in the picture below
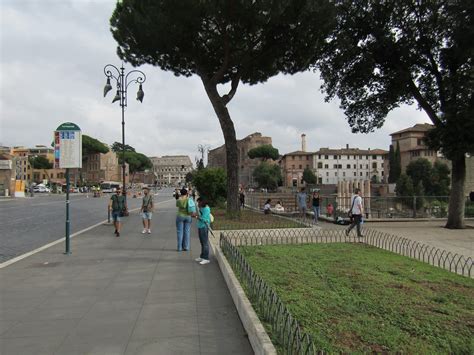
(123, 81)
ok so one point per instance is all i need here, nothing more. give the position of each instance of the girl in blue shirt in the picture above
(204, 221)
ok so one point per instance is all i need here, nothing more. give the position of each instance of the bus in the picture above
(109, 186)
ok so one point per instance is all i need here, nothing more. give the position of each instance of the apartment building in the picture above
(348, 164)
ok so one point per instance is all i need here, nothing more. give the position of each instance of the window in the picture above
(355, 157)
(307, 157)
(344, 174)
(355, 174)
(366, 157)
(335, 157)
(374, 157)
(361, 173)
(293, 166)
(327, 173)
(355, 166)
(326, 157)
(320, 165)
(326, 166)
(361, 166)
(366, 166)
(419, 141)
(292, 157)
(335, 166)
(301, 166)
(367, 174)
(374, 165)
(382, 173)
(335, 174)
(340, 166)
(319, 156)
(348, 166)
(307, 166)
(382, 165)
(301, 157)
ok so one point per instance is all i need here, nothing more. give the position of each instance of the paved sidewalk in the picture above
(130, 295)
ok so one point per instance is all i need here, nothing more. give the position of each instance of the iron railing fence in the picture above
(375, 206)
(286, 329)
(434, 256)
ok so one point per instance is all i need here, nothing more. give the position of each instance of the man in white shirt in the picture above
(357, 212)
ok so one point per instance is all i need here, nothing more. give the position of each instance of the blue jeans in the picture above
(183, 229)
(316, 213)
(204, 239)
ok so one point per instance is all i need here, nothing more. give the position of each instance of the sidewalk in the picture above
(129, 295)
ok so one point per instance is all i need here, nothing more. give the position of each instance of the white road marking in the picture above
(23, 256)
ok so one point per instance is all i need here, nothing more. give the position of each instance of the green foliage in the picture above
(357, 299)
(118, 147)
(136, 161)
(265, 152)
(404, 186)
(420, 170)
(189, 177)
(435, 178)
(40, 162)
(309, 177)
(395, 164)
(267, 175)
(92, 146)
(211, 184)
(200, 165)
(440, 179)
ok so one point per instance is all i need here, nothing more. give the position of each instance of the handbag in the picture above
(350, 211)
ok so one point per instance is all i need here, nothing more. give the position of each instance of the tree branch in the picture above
(229, 96)
(217, 77)
(423, 103)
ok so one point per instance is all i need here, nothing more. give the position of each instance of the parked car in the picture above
(41, 189)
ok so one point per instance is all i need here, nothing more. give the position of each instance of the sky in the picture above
(52, 55)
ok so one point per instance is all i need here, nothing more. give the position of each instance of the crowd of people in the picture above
(186, 211)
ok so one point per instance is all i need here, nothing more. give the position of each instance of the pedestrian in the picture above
(315, 204)
(329, 209)
(302, 199)
(147, 210)
(186, 209)
(267, 208)
(117, 205)
(242, 198)
(204, 221)
(355, 213)
(279, 207)
(176, 194)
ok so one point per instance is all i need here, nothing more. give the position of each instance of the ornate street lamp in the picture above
(122, 82)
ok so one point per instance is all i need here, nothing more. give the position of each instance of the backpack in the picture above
(190, 206)
(211, 217)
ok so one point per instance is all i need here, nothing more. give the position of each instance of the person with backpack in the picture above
(203, 224)
(117, 205)
(355, 213)
(146, 210)
(186, 210)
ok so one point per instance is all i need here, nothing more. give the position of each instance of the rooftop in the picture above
(419, 127)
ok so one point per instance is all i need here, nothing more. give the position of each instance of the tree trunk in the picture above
(457, 197)
(230, 139)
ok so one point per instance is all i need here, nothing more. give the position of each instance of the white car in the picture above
(41, 189)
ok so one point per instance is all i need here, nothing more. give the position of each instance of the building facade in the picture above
(246, 166)
(350, 164)
(171, 170)
(412, 145)
(292, 166)
(99, 167)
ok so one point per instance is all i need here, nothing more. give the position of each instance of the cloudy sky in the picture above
(52, 56)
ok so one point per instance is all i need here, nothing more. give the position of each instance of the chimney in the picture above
(347, 146)
(303, 142)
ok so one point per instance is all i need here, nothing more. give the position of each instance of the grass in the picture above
(354, 298)
(250, 220)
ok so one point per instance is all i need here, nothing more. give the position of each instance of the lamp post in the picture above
(123, 81)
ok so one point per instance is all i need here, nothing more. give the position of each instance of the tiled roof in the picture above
(351, 151)
(419, 127)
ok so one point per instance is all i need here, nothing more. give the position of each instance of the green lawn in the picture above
(355, 298)
(250, 220)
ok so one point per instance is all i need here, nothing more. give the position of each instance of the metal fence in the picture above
(285, 328)
(375, 207)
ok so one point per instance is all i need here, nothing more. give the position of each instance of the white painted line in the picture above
(23, 256)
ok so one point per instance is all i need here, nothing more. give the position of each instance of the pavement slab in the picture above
(129, 295)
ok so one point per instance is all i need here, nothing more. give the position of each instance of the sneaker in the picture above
(117, 234)
(149, 231)
(204, 262)
(198, 259)
(347, 232)
(144, 231)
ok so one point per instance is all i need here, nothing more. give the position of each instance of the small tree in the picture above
(440, 179)
(136, 162)
(264, 152)
(309, 177)
(211, 184)
(40, 162)
(421, 170)
(267, 176)
(405, 190)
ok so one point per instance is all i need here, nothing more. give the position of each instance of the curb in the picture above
(258, 337)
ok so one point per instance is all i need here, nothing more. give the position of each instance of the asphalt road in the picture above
(29, 223)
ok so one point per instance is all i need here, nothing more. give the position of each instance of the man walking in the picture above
(356, 213)
(302, 199)
(117, 205)
(146, 210)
